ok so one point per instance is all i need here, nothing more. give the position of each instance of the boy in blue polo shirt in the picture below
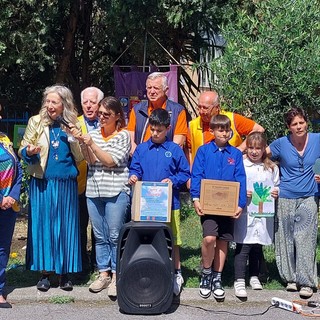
(161, 160)
(217, 160)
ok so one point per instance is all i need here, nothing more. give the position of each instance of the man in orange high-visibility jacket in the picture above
(199, 133)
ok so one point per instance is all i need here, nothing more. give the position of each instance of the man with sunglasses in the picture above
(209, 106)
(90, 98)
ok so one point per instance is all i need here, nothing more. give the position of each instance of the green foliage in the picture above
(271, 60)
(61, 299)
(76, 43)
(186, 210)
(24, 195)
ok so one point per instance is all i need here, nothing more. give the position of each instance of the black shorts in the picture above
(218, 226)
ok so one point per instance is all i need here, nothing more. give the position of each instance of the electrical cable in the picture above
(314, 312)
(227, 312)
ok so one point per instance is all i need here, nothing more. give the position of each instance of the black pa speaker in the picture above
(145, 270)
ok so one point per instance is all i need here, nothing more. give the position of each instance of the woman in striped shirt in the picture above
(107, 152)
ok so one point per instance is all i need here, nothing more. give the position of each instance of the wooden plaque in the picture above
(219, 197)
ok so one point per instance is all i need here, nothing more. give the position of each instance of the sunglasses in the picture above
(106, 115)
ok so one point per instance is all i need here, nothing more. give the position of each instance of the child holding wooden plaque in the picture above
(217, 160)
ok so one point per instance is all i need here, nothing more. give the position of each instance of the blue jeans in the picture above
(107, 216)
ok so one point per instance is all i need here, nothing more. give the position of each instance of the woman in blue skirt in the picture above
(53, 231)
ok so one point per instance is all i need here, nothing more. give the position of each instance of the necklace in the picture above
(55, 143)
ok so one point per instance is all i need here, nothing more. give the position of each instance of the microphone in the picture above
(60, 119)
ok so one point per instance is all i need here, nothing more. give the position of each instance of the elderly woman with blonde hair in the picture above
(53, 244)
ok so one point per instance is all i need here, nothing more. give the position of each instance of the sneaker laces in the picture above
(205, 280)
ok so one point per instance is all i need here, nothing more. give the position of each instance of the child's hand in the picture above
(237, 213)
(275, 193)
(133, 179)
(317, 178)
(166, 180)
(249, 194)
(197, 207)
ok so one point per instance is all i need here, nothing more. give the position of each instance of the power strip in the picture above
(286, 305)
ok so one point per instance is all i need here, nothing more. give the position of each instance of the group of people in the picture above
(94, 160)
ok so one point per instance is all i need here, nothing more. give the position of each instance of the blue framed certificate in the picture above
(152, 201)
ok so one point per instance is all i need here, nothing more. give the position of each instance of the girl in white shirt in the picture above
(255, 226)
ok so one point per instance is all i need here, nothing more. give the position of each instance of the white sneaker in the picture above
(306, 292)
(177, 283)
(240, 288)
(255, 283)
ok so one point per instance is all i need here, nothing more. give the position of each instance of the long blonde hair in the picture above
(69, 110)
(258, 139)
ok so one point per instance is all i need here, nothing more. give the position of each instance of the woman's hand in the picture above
(7, 203)
(317, 178)
(32, 149)
(87, 139)
(75, 132)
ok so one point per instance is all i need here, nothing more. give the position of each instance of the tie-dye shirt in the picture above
(7, 166)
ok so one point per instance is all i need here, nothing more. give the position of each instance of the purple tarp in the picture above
(133, 83)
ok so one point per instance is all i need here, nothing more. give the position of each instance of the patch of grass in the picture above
(19, 277)
(191, 234)
(61, 299)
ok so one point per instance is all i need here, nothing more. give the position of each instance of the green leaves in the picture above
(271, 61)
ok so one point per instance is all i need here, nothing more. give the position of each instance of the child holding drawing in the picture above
(255, 227)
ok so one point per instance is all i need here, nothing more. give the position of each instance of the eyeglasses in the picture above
(300, 162)
(106, 115)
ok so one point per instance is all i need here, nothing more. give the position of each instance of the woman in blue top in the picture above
(10, 183)
(296, 233)
(53, 230)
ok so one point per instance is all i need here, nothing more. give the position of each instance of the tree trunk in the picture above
(87, 15)
(69, 40)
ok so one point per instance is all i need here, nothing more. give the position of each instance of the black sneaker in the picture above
(217, 290)
(205, 285)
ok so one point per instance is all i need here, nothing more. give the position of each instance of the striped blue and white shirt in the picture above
(105, 181)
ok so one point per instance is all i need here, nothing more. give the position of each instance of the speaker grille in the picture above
(145, 283)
